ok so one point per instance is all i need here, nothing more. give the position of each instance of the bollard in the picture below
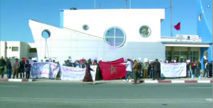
(192, 76)
(200, 77)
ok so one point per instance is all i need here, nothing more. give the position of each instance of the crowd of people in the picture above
(20, 67)
(135, 69)
(79, 63)
(152, 69)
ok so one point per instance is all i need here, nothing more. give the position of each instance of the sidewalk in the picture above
(150, 81)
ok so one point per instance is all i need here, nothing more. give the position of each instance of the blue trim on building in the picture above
(202, 50)
(209, 58)
(61, 18)
(203, 30)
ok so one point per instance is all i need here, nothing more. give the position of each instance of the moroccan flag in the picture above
(177, 27)
(113, 69)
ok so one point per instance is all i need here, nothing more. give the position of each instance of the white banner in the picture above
(76, 74)
(44, 69)
(173, 69)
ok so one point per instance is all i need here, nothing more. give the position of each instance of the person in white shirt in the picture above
(206, 69)
(129, 70)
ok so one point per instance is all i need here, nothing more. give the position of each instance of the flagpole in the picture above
(171, 18)
(130, 3)
(94, 4)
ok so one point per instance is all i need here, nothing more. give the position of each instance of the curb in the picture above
(18, 80)
(139, 81)
(172, 81)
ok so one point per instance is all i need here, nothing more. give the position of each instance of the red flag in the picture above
(177, 27)
(113, 69)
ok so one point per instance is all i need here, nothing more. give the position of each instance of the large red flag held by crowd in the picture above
(113, 69)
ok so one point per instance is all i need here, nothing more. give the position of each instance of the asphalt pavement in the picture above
(65, 94)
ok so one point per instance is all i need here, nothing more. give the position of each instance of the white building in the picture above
(17, 49)
(107, 34)
(111, 34)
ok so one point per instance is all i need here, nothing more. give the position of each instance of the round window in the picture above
(115, 37)
(145, 31)
(85, 27)
(46, 34)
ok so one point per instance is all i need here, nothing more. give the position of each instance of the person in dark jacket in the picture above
(27, 69)
(21, 68)
(156, 70)
(2, 64)
(9, 68)
(198, 68)
(98, 73)
(210, 69)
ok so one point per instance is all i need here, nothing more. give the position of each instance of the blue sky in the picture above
(15, 14)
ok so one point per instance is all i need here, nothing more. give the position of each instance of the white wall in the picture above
(6, 49)
(63, 43)
(130, 20)
(2, 49)
(11, 53)
(75, 42)
(24, 50)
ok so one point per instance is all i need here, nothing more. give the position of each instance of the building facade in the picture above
(17, 49)
(110, 34)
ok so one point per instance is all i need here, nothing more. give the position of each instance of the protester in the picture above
(151, 72)
(58, 76)
(21, 70)
(135, 71)
(27, 68)
(206, 69)
(88, 76)
(65, 63)
(194, 66)
(2, 64)
(9, 68)
(140, 68)
(128, 70)
(15, 68)
(146, 67)
(198, 68)
(98, 73)
(189, 69)
(94, 62)
(210, 69)
(68, 63)
(156, 70)
(83, 64)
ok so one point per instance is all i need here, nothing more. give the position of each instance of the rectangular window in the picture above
(194, 55)
(14, 48)
(168, 55)
(32, 50)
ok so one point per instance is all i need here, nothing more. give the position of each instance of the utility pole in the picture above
(126, 4)
(94, 4)
(130, 3)
(99, 6)
(171, 18)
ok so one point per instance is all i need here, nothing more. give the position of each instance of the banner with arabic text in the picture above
(76, 74)
(44, 70)
(173, 69)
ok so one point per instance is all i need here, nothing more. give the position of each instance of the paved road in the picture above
(104, 95)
